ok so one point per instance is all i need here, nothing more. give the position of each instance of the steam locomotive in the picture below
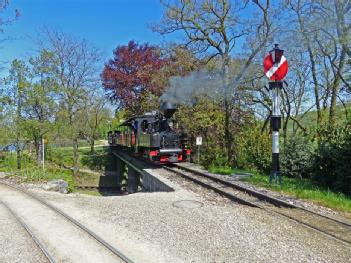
(153, 137)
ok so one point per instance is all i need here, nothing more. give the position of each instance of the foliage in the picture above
(214, 28)
(61, 157)
(208, 117)
(30, 172)
(97, 160)
(8, 162)
(296, 157)
(332, 162)
(97, 118)
(253, 148)
(129, 73)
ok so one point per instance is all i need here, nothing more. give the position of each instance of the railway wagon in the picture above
(153, 137)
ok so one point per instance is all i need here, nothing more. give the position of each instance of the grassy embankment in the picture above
(57, 165)
(302, 189)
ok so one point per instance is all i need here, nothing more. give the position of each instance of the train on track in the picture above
(153, 137)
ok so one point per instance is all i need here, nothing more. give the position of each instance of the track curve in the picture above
(331, 227)
(56, 210)
(30, 232)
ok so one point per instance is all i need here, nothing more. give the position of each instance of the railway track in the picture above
(113, 252)
(328, 226)
(30, 232)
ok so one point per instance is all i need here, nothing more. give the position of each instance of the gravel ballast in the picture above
(148, 227)
(63, 240)
(16, 245)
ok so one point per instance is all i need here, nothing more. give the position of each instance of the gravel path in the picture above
(16, 245)
(64, 241)
(149, 228)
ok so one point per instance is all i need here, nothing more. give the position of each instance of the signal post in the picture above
(275, 68)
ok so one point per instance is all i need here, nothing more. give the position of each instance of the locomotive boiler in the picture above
(153, 137)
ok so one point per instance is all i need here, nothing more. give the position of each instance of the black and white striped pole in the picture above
(275, 67)
(275, 88)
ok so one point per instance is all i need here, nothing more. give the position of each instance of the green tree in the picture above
(204, 119)
(98, 117)
(15, 95)
(76, 75)
(214, 28)
(40, 105)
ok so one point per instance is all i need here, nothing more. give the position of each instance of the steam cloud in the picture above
(185, 90)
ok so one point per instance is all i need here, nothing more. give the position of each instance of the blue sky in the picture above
(104, 23)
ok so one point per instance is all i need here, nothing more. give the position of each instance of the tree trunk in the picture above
(313, 66)
(316, 89)
(92, 144)
(18, 152)
(37, 150)
(227, 134)
(18, 132)
(75, 157)
(336, 87)
(41, 153)
(287, 107)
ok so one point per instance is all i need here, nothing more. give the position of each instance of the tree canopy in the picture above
(129, 73)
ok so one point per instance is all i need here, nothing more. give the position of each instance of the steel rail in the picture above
(247, 202)
(219, 191)
(111, 248)
(259, 195)
(40, 245)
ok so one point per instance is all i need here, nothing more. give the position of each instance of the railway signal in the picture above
(275, 67)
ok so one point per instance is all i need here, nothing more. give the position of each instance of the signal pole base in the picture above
(275, 173)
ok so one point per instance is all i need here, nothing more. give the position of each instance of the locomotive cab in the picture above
(153, 137)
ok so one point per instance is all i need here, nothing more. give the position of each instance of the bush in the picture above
(213, 157)
(98, 160)
(60, 156)
(296, 158)
(253, 149)
(332, 162)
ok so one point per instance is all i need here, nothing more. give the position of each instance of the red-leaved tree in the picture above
(129, 73)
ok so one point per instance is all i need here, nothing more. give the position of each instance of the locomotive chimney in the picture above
(168, 109)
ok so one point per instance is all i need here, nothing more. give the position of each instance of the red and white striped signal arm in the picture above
(275, 71)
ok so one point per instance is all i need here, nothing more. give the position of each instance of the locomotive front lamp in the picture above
(276, 53)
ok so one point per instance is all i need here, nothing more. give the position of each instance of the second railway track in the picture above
(325, 225)
(30, 232)
(74, 239)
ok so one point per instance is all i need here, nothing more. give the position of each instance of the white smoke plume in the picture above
(185, 90)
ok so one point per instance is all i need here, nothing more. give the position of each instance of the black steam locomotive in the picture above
(153, 137)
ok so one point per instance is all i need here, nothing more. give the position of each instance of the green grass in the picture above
(302, 189)
(30, 172)
(64, 157)
(225, 170)
(220, 170)
(37, 174)
(305, 189)
(58, 160)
